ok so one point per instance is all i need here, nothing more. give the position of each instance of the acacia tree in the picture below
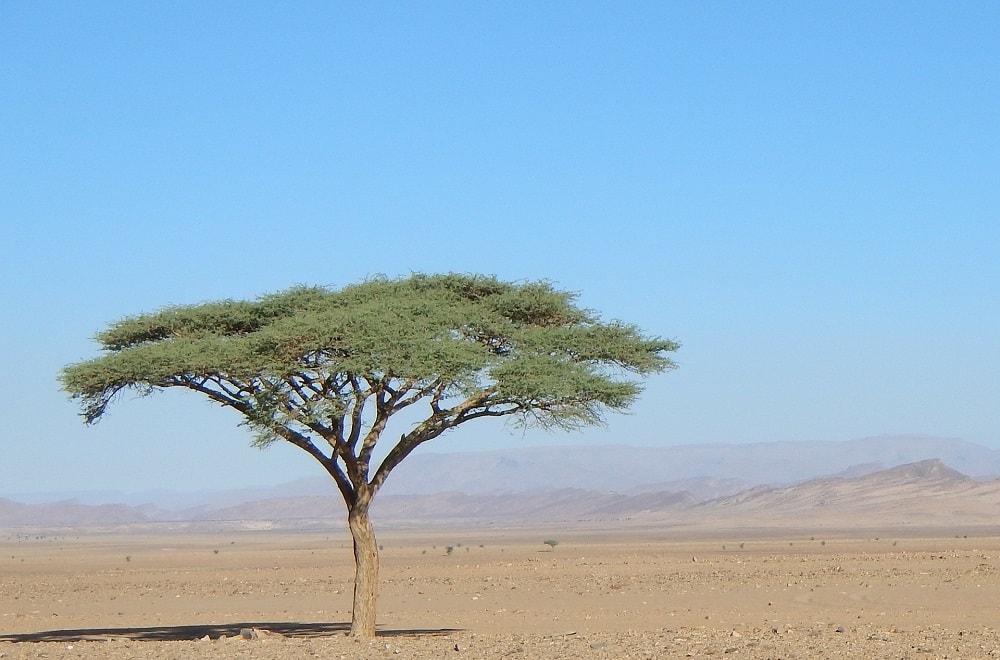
(327, 369)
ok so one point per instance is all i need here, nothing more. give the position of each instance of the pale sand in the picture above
(621, 593)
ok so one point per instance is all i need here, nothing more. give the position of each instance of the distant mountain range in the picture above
(628, 469)
(897, 480)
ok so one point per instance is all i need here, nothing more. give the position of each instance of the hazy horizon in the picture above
(623, 468)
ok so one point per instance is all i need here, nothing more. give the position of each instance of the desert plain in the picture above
(615, 591)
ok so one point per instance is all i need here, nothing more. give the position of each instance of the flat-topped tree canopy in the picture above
(300, 358)
(325, 369)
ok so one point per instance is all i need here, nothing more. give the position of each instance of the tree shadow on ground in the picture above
(187, 633)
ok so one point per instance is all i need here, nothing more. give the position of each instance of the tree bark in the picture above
(366, 571)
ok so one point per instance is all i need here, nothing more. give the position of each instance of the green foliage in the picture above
(312, 364)
(552, 543)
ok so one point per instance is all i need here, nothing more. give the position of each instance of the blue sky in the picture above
(804, 194)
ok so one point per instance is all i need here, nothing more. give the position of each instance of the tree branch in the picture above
(439, 422)
(357, 413)
(414, 395)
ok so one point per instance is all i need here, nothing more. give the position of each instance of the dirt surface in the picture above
(501, 594)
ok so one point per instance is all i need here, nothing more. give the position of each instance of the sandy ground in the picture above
(501, 594)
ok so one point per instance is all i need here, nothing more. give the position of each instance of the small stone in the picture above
(840, 629)
(457, 647)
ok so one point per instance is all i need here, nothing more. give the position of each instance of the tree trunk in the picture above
(366, 571)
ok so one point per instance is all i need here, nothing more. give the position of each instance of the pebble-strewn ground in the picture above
(501, 595)
(859, 642)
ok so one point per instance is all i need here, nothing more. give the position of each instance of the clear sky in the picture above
(805, 194)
